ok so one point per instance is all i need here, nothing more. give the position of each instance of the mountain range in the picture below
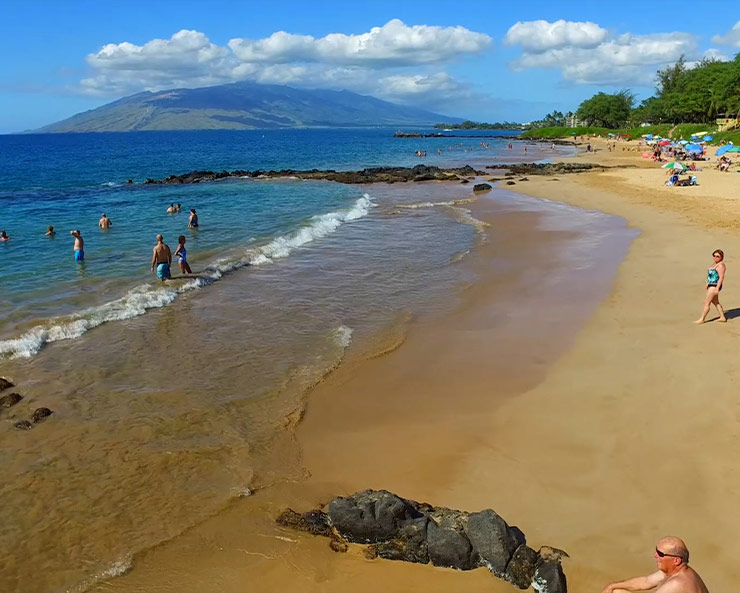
(243, 106)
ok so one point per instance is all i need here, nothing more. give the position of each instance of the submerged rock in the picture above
(40, 414)
(5, 384)
(10, 399)
(482, 187)
(315, 522)
(511, 183)
(23, 425)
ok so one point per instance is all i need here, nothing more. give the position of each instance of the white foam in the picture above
(146, 296)
(118, 568)
(343, 335)
(436, 204)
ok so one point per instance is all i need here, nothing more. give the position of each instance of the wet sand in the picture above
(417, 414)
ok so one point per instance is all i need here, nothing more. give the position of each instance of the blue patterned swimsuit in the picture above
(712, 277)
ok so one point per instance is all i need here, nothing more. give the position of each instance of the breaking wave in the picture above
(147, 296)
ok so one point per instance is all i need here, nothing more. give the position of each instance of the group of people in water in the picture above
(161, 257)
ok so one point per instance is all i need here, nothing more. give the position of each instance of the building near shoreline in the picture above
(727, 123)
(572, 121)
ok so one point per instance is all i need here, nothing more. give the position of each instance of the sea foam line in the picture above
(146, 296)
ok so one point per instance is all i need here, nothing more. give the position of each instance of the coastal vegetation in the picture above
(687, 100)
(472, 125)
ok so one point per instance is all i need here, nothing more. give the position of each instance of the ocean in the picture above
(171, 399)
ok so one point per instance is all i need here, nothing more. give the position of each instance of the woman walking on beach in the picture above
(715, 280)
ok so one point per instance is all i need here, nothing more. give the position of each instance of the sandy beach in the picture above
(596, 424)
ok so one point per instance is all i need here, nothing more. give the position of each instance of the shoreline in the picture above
(360, 415)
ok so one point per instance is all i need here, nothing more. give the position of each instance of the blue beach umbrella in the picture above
(693, 148)
(683, 141)
(722, 150)
(708, 138)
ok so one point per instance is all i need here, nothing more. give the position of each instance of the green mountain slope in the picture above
(242, 106)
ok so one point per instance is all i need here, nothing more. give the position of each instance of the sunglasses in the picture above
(664, 554)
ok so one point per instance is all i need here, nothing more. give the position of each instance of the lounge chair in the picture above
(672, 181)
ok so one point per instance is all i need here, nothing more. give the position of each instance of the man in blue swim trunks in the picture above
(79, 245)
(161, 259)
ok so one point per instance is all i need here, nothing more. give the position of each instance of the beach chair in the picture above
(672, 181)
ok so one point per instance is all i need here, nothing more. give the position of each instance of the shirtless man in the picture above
(161, 259)
(79, 245)
(673, 575)
(105, 222)
(171, 209)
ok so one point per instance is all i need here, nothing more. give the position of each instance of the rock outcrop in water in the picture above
(371, 175)
(10, 399)
(395, 528)
(5, 384)
(553, 168)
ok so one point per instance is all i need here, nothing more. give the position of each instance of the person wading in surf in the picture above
(161, 259)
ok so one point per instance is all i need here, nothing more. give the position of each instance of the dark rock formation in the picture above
(551, 168)
(23, 425)
(482, 187)
(524, 179)
(371, 175)
(464, 181)
(5, 384)
(522, 566)
(316, 522)
(10, 400)
(40, 414)
(511, 183)
(400, 529)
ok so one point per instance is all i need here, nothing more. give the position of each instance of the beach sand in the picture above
(597, 439)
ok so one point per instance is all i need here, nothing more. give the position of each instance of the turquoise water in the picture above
(69, 180)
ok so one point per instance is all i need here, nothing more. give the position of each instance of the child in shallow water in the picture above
(181, 255)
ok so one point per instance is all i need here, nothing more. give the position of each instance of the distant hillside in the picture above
(242, 106)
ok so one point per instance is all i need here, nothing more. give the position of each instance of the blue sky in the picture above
(481, 60)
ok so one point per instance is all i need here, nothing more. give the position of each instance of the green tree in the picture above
(608, 111)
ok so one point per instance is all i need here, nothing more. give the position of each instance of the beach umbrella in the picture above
(665, 142)
(722, 150)
(683, 141)
(674, 165)
(693, 148)
(708, 138)
(733, 149)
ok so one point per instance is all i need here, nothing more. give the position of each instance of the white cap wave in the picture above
(146, 296)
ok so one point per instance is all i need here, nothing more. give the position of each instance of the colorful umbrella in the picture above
(733, 149)
(683, 141)
(693, 148)
(665, 142)
(674, 165)
(708, 138)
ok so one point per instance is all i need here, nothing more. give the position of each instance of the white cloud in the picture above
(731, 38)
(539, 36)
(393, 44)
(396, 61)
(587, 55)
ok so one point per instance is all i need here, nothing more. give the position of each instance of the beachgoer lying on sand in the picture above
(674, 575)
(715, 281)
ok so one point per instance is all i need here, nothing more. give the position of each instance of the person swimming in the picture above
(4, 237)
(181, 254)
(50, 232)
(171, 209)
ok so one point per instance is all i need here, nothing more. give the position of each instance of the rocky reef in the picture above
(371, 175)
(11, 399)
(553, 168)
(395, 528)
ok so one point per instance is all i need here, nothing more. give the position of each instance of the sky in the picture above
(481, 60)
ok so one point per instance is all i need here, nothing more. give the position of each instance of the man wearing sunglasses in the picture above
(673, 575)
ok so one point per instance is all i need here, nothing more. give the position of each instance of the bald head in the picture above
(160, 238)
(674, 546)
